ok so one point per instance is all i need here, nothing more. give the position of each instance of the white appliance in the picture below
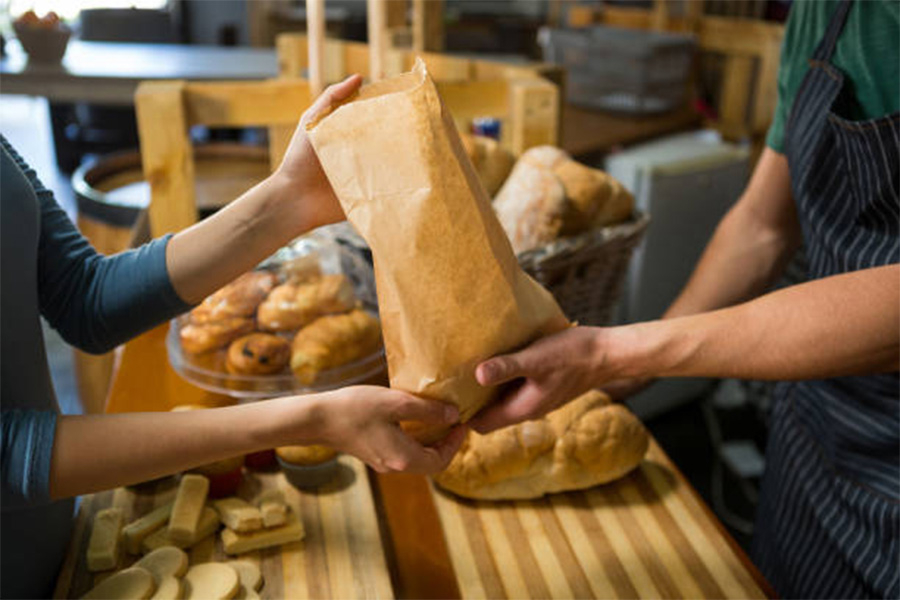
(686, 183)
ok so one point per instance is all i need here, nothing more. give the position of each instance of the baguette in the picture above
(584, 443)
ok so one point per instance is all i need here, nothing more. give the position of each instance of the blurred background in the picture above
(672, 98)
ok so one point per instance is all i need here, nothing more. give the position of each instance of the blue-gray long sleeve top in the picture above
(95, 302)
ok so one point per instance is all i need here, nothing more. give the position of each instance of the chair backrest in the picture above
(166, 110)
(528, 110)
(750, 49)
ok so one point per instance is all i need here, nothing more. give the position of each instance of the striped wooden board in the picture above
(645, 536)
(341, 557)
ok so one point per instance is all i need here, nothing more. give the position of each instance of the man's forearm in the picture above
(98, 452)
(848, 324)
(750, 247)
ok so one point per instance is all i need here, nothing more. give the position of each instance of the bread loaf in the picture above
(584, 443)
(492, 162)
(548, 195)
(531, 206)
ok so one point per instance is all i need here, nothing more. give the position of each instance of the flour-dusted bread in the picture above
(584, 443)
(548, 195)
(531, 206)
(597, 199)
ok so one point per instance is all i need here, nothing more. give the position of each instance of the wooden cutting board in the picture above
(341, 557)
(644, 536)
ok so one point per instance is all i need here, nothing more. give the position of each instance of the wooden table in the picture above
(108, 73)
(647, 535)
(586, 131)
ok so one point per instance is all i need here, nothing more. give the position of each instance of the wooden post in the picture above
(737, 89)
(428, 25)
(376, 24)
(166, 155)
(534, 114)
(660, 16)
(315, 32)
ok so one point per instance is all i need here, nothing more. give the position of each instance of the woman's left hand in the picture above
(300, 169)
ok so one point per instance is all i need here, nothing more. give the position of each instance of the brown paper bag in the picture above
(450, 291)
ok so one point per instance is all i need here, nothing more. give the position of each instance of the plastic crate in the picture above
(623, 70)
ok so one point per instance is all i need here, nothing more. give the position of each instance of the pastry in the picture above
(584, 443)
(240, 298)
(305, 455)
(189, 503)
(248, 573)
(167, 561)
(199, 338)
(293, 305)
(169, 588)
(128, 584)
(135, 532)
(238, 543)
(211, 581)
(258, 354)
(103, 546)
(238, 514)
(333, 341)
(208, 525)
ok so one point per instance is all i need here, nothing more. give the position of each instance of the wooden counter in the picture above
(647, 535)
(586, 131)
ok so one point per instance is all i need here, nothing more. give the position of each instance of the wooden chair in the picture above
(750, 50)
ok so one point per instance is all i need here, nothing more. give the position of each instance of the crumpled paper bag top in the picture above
(450, 291)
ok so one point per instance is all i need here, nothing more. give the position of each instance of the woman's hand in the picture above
(365, 421)
(300, 169)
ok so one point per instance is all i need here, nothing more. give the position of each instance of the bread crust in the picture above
(586, 442)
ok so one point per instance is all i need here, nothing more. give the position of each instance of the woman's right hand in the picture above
(365, 421)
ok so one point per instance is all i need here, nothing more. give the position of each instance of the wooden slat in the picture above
(246, 104)
(166, 155)
(534, 115)
(643, 536)
(737, 90)
(315, 31)
(341, 556)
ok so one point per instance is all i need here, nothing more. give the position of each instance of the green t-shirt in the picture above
(867, 52)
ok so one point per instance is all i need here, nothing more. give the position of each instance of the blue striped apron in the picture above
(828, 523)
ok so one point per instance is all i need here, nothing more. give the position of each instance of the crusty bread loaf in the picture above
(597, 198)
(492, 162)
(584, 443)
(531, 206)
(548, 195)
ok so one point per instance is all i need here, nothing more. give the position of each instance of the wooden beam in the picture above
(377, 30)
(737, 90)
(315, 32)
(246, 104)
(293, 54)
(534, 114)
(166, 155)
(418, 25)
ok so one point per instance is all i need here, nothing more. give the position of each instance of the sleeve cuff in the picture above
(158, 275)
(28, 438)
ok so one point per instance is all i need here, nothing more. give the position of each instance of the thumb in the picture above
(499, 369)
(423, 410)
(333, 94)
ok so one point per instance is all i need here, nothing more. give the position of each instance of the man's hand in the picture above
(546, 374)
(300, 169)
(365, 421)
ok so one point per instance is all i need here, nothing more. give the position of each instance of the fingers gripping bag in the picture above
(450, 292)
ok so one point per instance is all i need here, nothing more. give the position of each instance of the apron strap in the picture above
(826, 47)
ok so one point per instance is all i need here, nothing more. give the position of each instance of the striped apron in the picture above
(829, 512)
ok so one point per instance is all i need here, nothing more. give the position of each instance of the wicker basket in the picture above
(586, 272)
